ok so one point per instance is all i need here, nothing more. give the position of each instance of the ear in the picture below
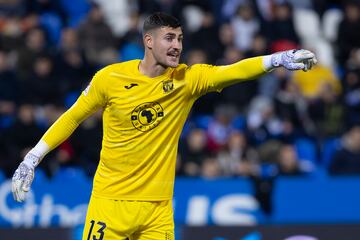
(148, 40)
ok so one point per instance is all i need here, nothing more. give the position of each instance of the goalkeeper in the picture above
(145, 104)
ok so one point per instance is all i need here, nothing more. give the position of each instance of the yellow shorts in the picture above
(133, 220)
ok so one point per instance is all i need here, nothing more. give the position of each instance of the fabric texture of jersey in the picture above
(142, 121)
(129, 220)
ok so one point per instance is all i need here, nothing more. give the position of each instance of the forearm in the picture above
(252, 68)
(60, 130)
(244, 70)
(54, 136)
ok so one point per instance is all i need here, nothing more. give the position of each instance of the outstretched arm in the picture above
(91, 100)
(252, 68)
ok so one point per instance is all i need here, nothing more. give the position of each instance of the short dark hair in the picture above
(158, 20)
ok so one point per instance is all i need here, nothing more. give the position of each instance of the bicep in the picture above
(244, 70)
(207, 78)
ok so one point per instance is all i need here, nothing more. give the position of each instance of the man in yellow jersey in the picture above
(145, 104)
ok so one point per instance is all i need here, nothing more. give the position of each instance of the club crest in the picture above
(168, 86)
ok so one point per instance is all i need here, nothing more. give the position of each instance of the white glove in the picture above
(294, 59)
(24, 176)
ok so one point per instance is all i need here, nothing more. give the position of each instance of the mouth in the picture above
(173, 54)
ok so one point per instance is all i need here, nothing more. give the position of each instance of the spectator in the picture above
(97, 39)
(262, 122)
(193, 152)
(8, 82)
(196, 56)
(45, 6)
(230, 7)
(238, 158)
(245, 25)
(269, 84)
(288, 162)
(258, 46)
(35, 45)
(247, 89)
(206, 37)
(220, 127)
(347, 38)
(87, 142)
(17, 143)
(231, 55)
(15, 7)
(226, 37)
(73, 72)
(352, 97)
(346, 160)
(269, 152)
(292, 108)
(13, 29)
(327, 112)
(311, 83)
(41, 86)
(281, 28)
(132, 47)
(69, 40)
(210, 168)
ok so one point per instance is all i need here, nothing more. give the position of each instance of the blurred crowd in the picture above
(284, 123)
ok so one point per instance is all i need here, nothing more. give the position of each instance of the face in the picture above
(165, 45)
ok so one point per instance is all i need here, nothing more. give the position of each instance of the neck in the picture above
(149, 67)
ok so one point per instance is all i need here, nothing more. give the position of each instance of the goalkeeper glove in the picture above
(24, 176)
(294, 59)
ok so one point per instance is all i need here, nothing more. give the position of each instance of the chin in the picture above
(172, 64)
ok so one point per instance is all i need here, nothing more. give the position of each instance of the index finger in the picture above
(304, 55)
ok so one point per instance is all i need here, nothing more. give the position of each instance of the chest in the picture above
(143, 104)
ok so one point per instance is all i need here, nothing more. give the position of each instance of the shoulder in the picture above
(183, 69)
(121, 66)
(116, 70)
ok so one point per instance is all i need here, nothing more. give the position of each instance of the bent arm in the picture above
(92, 99)
(67, 123)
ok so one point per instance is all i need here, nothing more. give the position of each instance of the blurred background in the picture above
(272, 158)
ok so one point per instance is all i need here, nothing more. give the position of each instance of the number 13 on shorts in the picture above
(98, 232)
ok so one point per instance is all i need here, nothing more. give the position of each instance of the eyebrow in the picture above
(173, 34)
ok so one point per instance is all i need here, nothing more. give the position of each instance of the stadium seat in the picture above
(131, 51)
(6, 121)
(306, 150)
(330, 23)
(52, 23)
(76, 10)
(70, 99)
(203, 121)
(328, 149)
(239, 122)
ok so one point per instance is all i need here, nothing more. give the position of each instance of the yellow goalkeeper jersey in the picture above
(142, 121)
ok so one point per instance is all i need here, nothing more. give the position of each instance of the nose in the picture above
(177, 44)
